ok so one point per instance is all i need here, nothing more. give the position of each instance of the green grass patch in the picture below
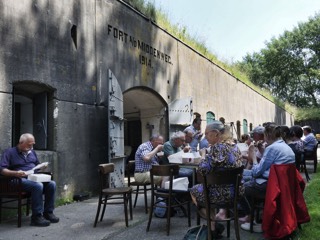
(311, 230)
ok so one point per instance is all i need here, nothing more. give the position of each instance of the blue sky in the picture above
(232, 28)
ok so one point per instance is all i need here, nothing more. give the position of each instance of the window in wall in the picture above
(221, 119)
(30, 114)
(245, 126)
(250, 127)
(210, 117)
(238, 130)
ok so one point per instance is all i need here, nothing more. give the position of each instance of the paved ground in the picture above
(76, 222)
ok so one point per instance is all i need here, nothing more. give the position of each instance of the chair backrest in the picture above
(130, 170)
(104, 170)
(223, 176)
(314, 153)
(165, 170)
(170, 170)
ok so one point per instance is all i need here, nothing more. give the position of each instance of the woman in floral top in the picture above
(223, 153)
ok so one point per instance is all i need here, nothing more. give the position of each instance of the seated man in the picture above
(145, 157)
(173, 146)
(309, 141)
(15, 162)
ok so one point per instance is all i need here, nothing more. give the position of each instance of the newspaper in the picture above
(39, 166)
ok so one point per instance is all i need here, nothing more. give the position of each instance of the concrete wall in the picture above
(37, 47)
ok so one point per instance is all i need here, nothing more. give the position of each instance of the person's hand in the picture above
(186, 149)
(203, 152)
(20, 174)
(159, 147)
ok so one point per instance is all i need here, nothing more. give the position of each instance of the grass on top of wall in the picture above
(199, 45)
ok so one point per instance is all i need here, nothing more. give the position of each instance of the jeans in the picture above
(252, 188)
(187, 172)
(37, 189)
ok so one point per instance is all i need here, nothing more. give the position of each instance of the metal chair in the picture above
(120, 195)
(232, 178)
(172, 198)
(137, 190)
(10, 192)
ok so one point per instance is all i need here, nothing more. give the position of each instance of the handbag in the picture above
(197, 233)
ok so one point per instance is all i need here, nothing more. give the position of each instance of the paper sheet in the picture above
(41, 165)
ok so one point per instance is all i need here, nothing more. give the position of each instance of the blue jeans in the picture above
(186, 172)
(37, 189)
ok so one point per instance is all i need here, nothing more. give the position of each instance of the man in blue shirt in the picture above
(15, 162)
(309, 140)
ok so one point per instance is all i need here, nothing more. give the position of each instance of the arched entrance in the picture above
(145, 113)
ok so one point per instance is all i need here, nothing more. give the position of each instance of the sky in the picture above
(232, 28)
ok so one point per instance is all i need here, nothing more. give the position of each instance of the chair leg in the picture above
(150, 212)
(315, 164)
(145, 198)
(189, 217)
(19, 211)
(130, 204)
(236, 222)
(228, 223)
(98, 212)
(0, 210)
(168, 216)
(125, 204)
(135, 200)
(104, 201)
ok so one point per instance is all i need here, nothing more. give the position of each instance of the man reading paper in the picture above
(16, 162)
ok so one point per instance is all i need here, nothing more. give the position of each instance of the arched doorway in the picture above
(145, 113)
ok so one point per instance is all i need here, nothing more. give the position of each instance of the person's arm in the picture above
(148, 156)
(264, 164)
(11, 173)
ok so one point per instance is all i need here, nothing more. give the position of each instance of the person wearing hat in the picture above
(256, 149)
(309, 140)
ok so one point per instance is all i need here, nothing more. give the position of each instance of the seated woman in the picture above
(277, 152)
(296, 143)
(222, 153)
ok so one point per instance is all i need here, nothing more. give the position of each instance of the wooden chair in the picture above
(172, 198)
(225, 176)
(137, 190)
(11, 192)
(118, 195)
(313, 157)
(301, 165)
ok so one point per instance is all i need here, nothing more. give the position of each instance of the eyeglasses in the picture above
(182, 140)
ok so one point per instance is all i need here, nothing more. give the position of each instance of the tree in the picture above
(289, 66)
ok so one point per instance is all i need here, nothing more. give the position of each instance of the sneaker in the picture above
(51, 217)
(39, 221)
(257, 228)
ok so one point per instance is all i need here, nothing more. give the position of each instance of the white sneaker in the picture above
(257, 228)
(245, 226)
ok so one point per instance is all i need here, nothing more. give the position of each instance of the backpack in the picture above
(197, 233)
(160, 210)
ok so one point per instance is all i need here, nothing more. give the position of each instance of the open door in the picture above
(180, 114)
(116, 131)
